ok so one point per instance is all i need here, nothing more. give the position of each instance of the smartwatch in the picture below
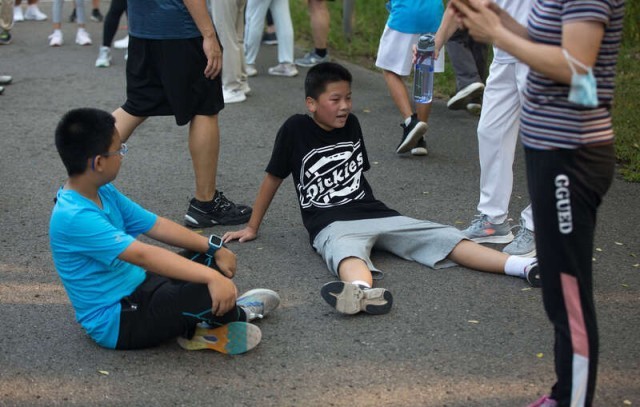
(215, 243)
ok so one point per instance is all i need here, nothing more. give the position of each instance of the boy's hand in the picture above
(223, 295)
(226, 261)
(244, 235)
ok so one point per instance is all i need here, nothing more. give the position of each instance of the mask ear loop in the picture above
(572, 60)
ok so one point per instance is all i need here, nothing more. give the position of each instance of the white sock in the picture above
(360, 282)
(515, 265)
(407, 121)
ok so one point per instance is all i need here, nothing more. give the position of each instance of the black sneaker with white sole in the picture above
(411, 134)
(532, 274)
(219, 211)
(420, 149)
(350, 298)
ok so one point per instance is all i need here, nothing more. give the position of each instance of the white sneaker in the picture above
(17, 14)
(122, 43)
(285, 69)
(244, 87)
(55, 39)
(251, 70)
(104, 58)
(82, 37)
(33, 13)
(233, 96)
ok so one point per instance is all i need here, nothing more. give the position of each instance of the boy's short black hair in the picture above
(322, 74)
(82, 134)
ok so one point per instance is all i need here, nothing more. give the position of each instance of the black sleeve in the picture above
(358, 130)
(280, 162)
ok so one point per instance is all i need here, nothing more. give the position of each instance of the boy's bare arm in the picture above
(173, 234)
(210, 45)
(267, 191)
(166, 263)
(448, 26)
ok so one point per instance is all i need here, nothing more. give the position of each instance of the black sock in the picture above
(321, 52)
(206, 206)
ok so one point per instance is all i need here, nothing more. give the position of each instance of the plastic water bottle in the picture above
(423, 75)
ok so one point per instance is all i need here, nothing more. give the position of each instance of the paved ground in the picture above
(454, 338)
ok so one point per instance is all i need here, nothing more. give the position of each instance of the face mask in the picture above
(584, 90)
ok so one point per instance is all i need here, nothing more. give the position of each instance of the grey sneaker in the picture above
(350, 298)
(257, 303)
(483, 231)
(465, 95)
(311, 59)
(104, 57)
(524, 244)
(283, 70)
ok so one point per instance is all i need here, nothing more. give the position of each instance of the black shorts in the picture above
(166, 78)
(161, 309)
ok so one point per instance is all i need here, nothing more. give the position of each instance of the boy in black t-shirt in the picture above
(326, 156)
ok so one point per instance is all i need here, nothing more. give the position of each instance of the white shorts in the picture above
(395, 52)
(422, 241)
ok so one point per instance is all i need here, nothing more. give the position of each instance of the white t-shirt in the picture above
(518, 9)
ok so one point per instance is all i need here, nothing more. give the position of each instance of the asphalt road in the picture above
(454, 338)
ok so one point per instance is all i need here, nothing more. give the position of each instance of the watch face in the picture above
(215, 241)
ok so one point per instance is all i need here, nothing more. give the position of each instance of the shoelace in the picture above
(222, 202)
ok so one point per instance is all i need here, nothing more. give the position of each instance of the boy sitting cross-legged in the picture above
(128, 294)
(326, 156)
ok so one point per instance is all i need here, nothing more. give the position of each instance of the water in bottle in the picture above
(423, 75)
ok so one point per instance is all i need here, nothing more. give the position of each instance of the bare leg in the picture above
(204, 145)
(352, 269)
(126, 123)
(478, 257)
(319, 17)
(399, 93)
(424, 111)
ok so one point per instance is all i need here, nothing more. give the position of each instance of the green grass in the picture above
(369, 21)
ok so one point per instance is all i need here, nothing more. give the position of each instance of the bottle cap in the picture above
(426, 41)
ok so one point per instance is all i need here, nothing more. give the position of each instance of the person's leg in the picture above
(204, 146)
(56, 14)
(320, 19)
(126, 123)
(284, 30)
(111, 21)
(566, 188)
(6, 15)
(469, 82)
(224, 13)
(255, 15)
(399, 93)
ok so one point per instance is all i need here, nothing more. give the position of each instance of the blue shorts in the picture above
(422, 241)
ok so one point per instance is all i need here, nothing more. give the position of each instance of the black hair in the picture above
(82, 134)
(321, 75)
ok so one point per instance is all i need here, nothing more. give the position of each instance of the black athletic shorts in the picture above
(166, 78)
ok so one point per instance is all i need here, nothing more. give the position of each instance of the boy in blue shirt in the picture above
(128, 294)
(326, 157)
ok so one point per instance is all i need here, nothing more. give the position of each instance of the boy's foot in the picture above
(420, 149)
(524, 244)
(122, 44)
(17, 14)
(411, 134)
(82, 37)
(55, 39)
(269, 38)
(233, 338)
(350, 299)
(96, 15)
(33, 13)
(219, 211)
(258, 303)
(288, 70)
(482, 230)
(5, 37)
(251, 70)
(104, 58)
(532, 275)
(310, 59)
(544, 401)
(463, 96)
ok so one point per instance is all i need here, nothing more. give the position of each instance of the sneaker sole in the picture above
(232, 339)
(531, 253)
(419, 151)
(349, 299)
(412, 138)
(494, 239)
(460, 100)
(196, 221)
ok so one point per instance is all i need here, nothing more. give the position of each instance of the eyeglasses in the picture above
(122, 151)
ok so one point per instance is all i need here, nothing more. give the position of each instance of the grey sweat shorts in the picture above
(422, 241)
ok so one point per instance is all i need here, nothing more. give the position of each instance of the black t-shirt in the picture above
(327, 169)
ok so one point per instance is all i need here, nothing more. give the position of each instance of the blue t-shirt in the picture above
(161, 20)
(415, 16)
(85, 244)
